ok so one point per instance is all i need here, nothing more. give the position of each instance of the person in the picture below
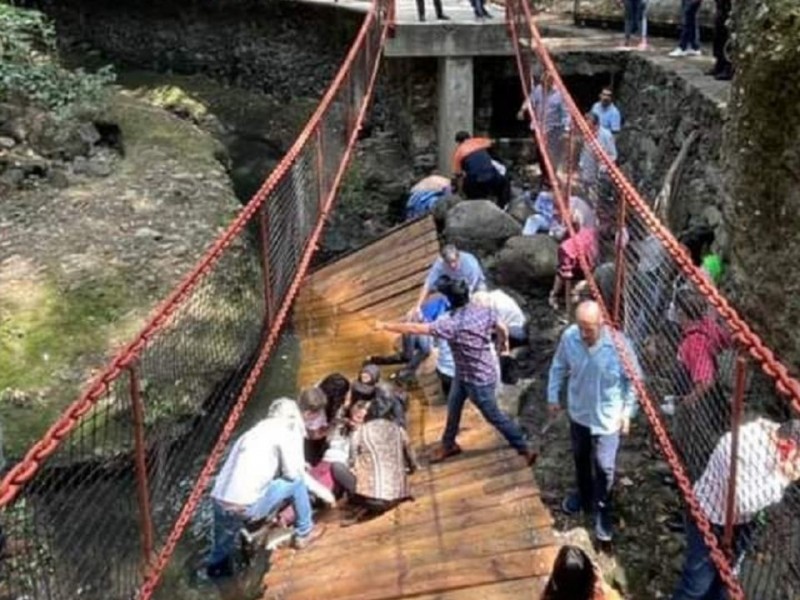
(582, 243)
(264, 468)
(552, 115)
(468, 329)
(767, 463)
(445, 366)
(723, 68)
(607, 112)
(689, 43)
(456, 265)
(575, 576)
(437, 5)
(635, 22)
(544, 212)
(313, 405)
(600, 404)
(509, 313)
(336, 388)
(425, 194)
(591, 167)
(415, 348)
(476, 174)
(380, 454)
(479, 6)
(335, 465)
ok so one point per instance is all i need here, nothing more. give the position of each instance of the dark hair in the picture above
(573, 576)
(362, 391)
(690, 303)
(442, 282)
(457, 293)
(697, 241)
(462, 136)
(381, 408)
(335, 387)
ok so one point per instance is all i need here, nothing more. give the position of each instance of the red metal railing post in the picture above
(619, 266)
(263, 226)
(736, 421)
(142, 484)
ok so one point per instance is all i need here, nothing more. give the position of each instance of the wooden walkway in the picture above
(477, 528)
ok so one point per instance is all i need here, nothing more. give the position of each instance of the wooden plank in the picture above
(527, 587)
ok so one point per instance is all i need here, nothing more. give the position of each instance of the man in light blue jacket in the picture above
(600, 404)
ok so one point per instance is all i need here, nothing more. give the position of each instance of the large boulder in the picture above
(479, 225)
(526, 261)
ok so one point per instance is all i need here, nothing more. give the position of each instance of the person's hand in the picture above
(625, 425)
(380, 326)
(553, 410)
(414, 313)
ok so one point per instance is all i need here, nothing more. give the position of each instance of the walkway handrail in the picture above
(647, 260)
(228, 310)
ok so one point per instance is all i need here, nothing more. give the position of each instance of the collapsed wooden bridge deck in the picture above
(477, 528)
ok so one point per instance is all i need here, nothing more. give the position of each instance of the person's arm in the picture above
(630, 404)
(291, 456)
(408, 453)
(502, 337)
(398, 327)
(430, 281)
(559, 371)
(616, 121)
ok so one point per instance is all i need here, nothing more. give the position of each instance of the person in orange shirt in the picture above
(476, 174)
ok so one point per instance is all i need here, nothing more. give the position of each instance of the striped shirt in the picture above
(469, 333)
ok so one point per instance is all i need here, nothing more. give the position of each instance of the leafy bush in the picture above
(30, 72)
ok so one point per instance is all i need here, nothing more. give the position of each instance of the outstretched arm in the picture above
(397, 327)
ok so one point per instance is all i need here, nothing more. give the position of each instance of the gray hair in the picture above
(287, 410)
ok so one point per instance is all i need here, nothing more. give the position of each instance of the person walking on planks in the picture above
(468, 330)
(600, 404)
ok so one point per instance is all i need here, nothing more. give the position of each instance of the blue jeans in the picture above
(700, 579)
(228, 523)
(416, 348)
(483, 397)
(595, 461)
(634, 15)
(690, 33)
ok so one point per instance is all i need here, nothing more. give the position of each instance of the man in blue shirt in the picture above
(456, 265)
(600, 404)
(589, 164)
(607, 112)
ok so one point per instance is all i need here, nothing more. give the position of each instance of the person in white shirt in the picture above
(508, 311)
(264, 468)
(768, 462)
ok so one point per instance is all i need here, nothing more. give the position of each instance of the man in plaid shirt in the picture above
(468, 330)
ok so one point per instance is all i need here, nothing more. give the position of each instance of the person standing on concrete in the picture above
(607, 112)
(469, 329)
(689, 43)
(437, 5)
(635, 21)
(600, 405)
(552, 115)
(723, 69)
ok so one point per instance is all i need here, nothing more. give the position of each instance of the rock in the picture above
(7, 143)
(526, 261)
(88, 133)
(147, 232)
(712, 216)
(80, 165)
(58, 179)
(98, 167)
(479, 225)
(519, 209)
(12, 177)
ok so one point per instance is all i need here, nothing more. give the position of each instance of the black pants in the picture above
(446, 382)
(721, 35)
(498, 187)
(437, 5)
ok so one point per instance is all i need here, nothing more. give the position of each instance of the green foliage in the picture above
(30, 72)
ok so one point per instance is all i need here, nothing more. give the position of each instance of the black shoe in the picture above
(487, 14)
(443, 17)
(421, 18)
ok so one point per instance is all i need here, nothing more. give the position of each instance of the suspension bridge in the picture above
(101, 501)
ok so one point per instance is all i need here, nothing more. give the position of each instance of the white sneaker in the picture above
(691, 52)
(677, 53)
(668, 406)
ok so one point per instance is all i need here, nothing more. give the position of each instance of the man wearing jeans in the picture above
(264, 469)
(600, 404)
(689, 43)
(768, 462)
(468, 329)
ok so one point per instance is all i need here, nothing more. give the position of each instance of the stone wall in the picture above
(661, 109)
(256, 47)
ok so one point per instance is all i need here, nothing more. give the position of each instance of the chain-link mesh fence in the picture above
(700, 384)
(98, 504)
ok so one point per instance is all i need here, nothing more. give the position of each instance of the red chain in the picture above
(154, 575)
(719, 558)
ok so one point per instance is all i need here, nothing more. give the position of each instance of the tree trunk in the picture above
(762, 159)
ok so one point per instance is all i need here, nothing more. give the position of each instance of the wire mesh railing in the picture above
(702, 398)
(97, 506)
